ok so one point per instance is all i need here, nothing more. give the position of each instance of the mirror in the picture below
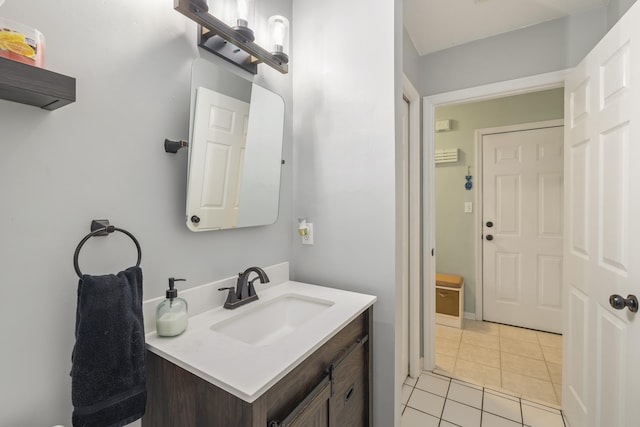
(235, 151)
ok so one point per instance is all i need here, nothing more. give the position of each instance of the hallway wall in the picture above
(550, 46)
(411, 61)
(615, 10)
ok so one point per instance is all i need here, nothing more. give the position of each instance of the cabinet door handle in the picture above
(349, 394)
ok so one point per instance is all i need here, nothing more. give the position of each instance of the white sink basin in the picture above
(265, 323)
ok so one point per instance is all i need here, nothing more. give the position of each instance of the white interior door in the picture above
(216, 160)
(601, 379)
(522, 227)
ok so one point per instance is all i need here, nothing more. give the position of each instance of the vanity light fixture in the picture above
(230, 35)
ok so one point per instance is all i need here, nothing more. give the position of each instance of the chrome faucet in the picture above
(244, 292)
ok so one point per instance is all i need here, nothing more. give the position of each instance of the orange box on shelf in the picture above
(21, 43)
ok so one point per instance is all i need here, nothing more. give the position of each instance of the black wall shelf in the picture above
(31, 85)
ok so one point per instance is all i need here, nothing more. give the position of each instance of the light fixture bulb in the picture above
(278, 33)
(243, 10)
(225, 10)
(244, 14)
(278, 29)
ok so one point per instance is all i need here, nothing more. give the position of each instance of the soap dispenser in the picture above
(171, 314)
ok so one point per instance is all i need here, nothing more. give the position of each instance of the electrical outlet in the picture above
(307, 239)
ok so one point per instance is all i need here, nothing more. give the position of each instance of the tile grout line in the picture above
(413, 388)
(521, 411)
(482, 407)
(484, 392)
(446, 396)
(546, 365)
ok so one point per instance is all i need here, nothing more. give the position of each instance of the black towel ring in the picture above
(102, 228)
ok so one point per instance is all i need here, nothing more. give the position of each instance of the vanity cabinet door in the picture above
(282, 399)
(350, 388)
(313, 411)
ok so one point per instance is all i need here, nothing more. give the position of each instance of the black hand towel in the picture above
(108, 382)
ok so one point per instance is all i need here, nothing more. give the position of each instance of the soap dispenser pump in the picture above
(171, 314)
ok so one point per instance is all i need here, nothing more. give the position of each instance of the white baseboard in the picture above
(468, 315)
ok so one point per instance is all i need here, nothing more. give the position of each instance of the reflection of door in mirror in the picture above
(226, 189)
(217, 159)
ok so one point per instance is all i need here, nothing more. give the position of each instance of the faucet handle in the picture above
(231, 296)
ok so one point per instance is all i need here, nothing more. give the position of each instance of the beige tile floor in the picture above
(521, 361)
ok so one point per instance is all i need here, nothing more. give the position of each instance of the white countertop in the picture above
(246, 370)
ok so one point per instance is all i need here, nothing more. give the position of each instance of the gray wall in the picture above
(550, 46)
(615, 10)
(411, 61)
(102, 157)
(455, 241)
(344, 179)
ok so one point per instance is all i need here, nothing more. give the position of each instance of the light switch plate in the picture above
(468, 207)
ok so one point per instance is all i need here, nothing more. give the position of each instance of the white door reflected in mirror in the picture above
(235, 152)
(217, 159)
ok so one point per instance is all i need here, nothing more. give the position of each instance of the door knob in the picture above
(489, 237)
(619, 303)
(489, 224)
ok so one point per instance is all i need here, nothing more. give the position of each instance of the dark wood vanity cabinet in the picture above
(331, 388)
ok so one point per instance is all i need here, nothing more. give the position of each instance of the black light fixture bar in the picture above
(196, 11)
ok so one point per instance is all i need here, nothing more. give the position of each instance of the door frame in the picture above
(477, 228)
(519, 86)
(415, 243)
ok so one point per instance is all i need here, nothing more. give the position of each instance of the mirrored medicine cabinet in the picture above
(235, 151)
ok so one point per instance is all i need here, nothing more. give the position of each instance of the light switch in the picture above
(468, 207)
